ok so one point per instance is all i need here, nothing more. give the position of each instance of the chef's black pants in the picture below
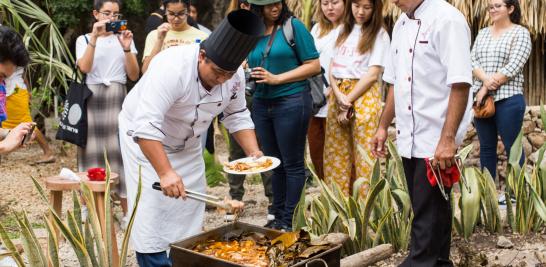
(431, 226)
(159, 259)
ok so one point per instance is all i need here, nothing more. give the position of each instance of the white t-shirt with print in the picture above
(325, 46)
(109, 60)
(349, 63)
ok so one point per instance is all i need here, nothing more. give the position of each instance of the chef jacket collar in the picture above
(417, 13)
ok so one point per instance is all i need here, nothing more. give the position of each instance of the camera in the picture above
(250, 87)
(116, 26)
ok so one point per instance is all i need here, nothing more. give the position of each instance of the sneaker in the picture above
(273, 224)
(270, 217)
(502, 199)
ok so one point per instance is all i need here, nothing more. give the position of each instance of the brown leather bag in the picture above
(485, 109)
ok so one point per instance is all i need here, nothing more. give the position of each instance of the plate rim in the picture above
(276, 163)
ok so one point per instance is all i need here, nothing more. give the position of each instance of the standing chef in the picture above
(161, 123)
(431, 75)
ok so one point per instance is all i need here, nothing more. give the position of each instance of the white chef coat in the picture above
(170, 105)
(428, 54)
(325, 46)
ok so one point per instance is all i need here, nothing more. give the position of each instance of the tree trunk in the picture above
(368, 257)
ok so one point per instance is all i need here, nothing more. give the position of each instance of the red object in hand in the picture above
(96, 174)
(449, 176)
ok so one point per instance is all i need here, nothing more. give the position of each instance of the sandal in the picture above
(48, 160)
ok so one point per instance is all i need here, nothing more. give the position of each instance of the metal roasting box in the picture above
(183, 256)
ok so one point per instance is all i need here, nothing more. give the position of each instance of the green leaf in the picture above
(108, 214)
(125, 244)
(470, 202)
(516, 151)
(52, 241)
(298, 219)
(93, 220)
(463, 153)
(33, 250)
(6, 241)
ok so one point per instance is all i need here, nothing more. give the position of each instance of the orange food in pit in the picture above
(246, 252)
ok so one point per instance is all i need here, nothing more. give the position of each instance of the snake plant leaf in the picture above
(298, 219)
(357, 185)
(35, 254)
(537, 201)
(399, 173)
(108, 211)
(90, 245)
(516, 151)
(77, 211)
(464, 152)
(52, 244)
(6, 241)
(403, 201)
(470, 203)
(125, 243)
(93, 220)
(74, 229)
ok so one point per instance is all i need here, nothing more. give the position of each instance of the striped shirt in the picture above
(506, 54)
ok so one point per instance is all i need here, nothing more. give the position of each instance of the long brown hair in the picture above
(325, 25)
(370, 28)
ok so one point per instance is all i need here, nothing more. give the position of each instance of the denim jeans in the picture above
(507, 123)
(159, 259)
(281, 126)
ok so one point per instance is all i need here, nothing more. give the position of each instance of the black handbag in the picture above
(73, 123)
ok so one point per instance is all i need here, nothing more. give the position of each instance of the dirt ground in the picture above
(17, 193)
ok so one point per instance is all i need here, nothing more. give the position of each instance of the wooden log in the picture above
(368, 257)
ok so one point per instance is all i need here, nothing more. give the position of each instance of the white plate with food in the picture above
(252, 165)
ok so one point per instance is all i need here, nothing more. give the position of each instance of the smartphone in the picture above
(28, 135)
(116, 26)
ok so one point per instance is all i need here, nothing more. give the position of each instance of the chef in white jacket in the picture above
(430, 72)
(161, 123)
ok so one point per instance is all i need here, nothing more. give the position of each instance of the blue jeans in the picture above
(507, 123)
(159, 259)
(281, 127)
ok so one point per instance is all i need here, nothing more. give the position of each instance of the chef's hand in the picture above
(445, 153)
(342, 117)
(379, 149)
(256, 154)
(264, 76)
(172, 185)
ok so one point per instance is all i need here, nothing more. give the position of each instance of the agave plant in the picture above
(92, 245)
(383, 216)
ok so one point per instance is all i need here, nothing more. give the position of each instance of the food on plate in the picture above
(250, 166)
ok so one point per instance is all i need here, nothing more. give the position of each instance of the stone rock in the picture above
(470, 133)
(534, 157)
(503, 242)
(500, 148)
(537, 139)
(534, 111)
(528, 126)
(472, 162)
(502, 157)
(505, 257)
(540, 125)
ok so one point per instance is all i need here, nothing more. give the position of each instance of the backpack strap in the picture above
(288, 32)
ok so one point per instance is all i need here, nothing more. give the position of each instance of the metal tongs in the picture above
(440, 182)
(211, 200)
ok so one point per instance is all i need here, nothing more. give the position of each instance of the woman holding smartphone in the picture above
(107, 59)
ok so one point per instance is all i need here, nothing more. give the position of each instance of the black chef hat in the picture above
(229, 44)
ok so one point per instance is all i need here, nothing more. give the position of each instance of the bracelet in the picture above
(92, 44)
(127, 51)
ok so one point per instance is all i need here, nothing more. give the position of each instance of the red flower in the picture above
(96, 174)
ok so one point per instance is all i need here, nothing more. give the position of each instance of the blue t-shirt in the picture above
(282, 58)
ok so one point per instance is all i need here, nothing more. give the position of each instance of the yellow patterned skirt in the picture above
(340, 149)
(17, 109)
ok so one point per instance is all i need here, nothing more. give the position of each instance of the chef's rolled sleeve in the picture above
(236, 115)
(162, 90)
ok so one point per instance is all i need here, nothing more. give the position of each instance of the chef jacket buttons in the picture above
(409, 79)
(398, 131)
(411, 50)
(197, 105)
(403, 23)
(198, 136)
(192, 124)
(396, 51)
(409, 107)
(219, 104)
